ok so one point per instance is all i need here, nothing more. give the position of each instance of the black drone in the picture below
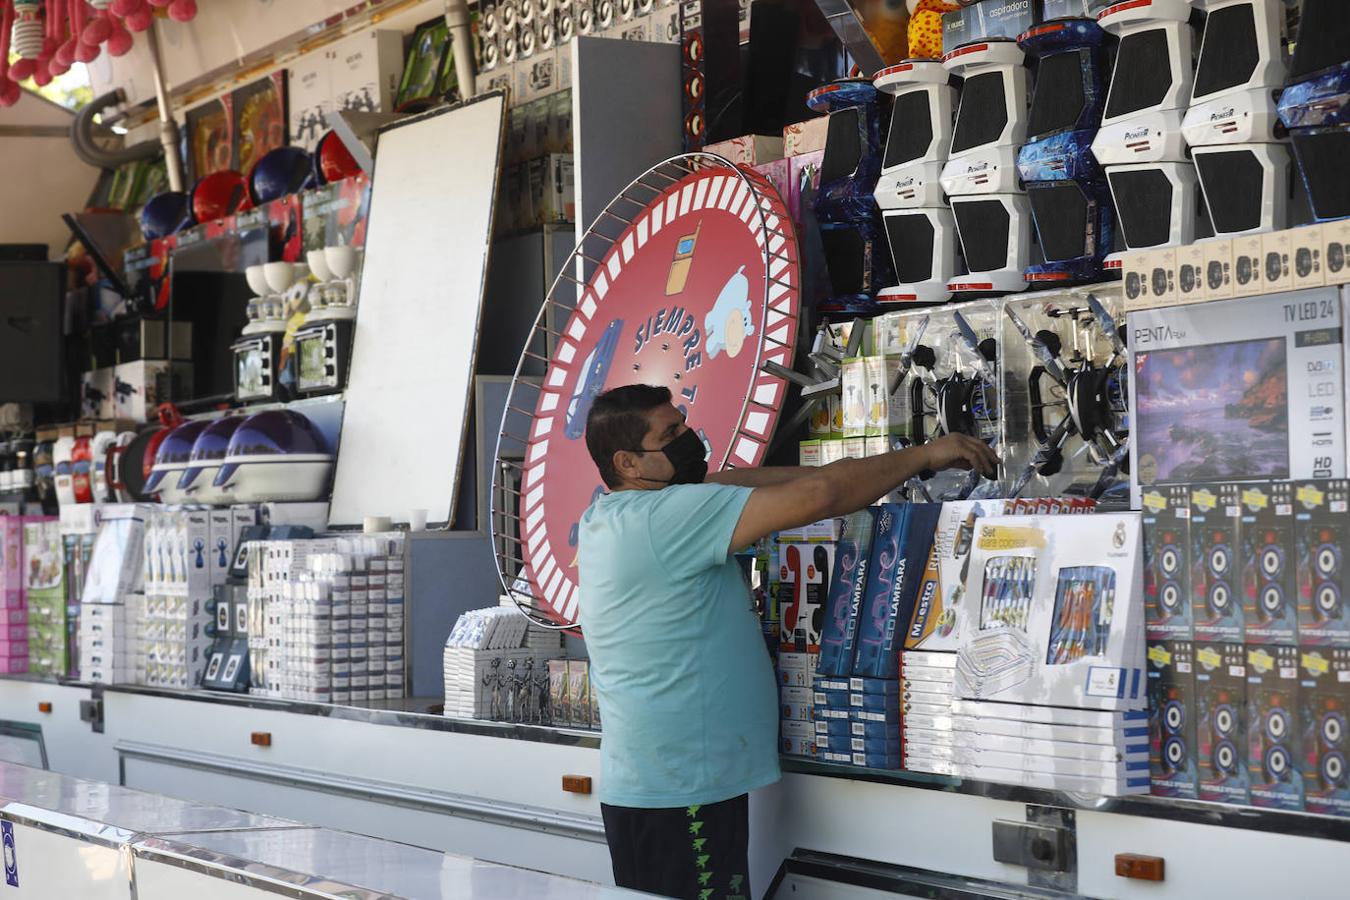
(1092, 399)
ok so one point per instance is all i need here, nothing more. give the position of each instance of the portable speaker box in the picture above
(1268, 576)
(1167, 584)
(1273, 728)
(1277, 249)
(1172, 713)
(1322, 536)
(1307, 251)
(1221, 741)
(1336, 239)
(1218, 268)
(1249, 271)
(1325, 702)
(1216, 535)
(1191, 284)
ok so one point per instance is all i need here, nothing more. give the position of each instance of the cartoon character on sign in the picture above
(728, 323)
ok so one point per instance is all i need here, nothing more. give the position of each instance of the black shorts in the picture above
(696, 852)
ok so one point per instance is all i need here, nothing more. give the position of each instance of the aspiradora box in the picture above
(1056, 613)
(1239, 390)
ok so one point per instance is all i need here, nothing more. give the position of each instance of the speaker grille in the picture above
(843, 147)
(1058, 100)
(983, 113)
(1323, 38)
(1233, 183)
(985, 229)
(911, 129)
(1143, 73)
(1229, 54)
(1061, 214)
(1144, 206)
(1322, 158)
(844, 258)
(911, 238)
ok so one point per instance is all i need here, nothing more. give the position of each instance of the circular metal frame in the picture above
(764, 212)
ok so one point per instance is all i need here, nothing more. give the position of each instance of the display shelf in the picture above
(410, 712)
(1192, 811)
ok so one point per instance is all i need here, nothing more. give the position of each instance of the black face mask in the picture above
(687, 454)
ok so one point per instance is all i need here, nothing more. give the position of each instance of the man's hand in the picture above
(959, 451)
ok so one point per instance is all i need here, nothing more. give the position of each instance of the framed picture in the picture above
(259, 119)
(210, 137)
(422, 70)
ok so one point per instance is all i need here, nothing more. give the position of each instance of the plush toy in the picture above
(925, 26)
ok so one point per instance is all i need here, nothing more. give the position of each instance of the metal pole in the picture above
(461, 37)
(168, 128)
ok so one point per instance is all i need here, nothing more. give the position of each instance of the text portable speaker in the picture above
(1152, 183)
(1070, 201)
(856, 255)
(919, 224)
(1230, 126)
(1315, 106)
(992, 215)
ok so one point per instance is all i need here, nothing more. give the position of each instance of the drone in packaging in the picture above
(1066, 376)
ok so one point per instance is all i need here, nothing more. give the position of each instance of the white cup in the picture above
(417, 520)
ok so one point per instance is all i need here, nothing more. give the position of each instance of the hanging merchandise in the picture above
(333, 161)
(919, 225)
(165, 214)
(285, 170)
(1315, 106)
(993, 217)
(218, 195)
(1152, 183)
(1066, 415)
(1230, 126)
(850, 223)
(1070, 201)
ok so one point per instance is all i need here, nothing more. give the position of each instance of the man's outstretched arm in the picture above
(768, 476)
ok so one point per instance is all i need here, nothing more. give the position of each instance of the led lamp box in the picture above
(1064, 408)
(1241, 69)
(1241, 389)
(991, 121)
(1221, 689)
(1060, 618)
(1315, 109)
(1172, 714)
(933, 627)
(1167, 581)
(1155, 203)
(920, 134)
(900, 546)
(923, 246)
(1216, 534)
(1322, 536)
(1324, 699)
(1245, 187)
(1275, 776)
(838, 640)
(1267, 570)
(995, 234)
(1150, 85)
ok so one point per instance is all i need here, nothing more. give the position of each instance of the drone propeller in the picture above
(971, 343)
(1108, 325)
(1043, 353)
(1111, 469)
(1048, 458)
(907, 355)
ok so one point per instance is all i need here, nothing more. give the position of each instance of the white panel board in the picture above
(432, 197)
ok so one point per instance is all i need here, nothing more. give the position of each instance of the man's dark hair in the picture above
(618, 421)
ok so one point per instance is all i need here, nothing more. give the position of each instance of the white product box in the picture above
(1192, 286)
(887, 413)
(1278, 262)
(1336, 253)
(1248, 267)
(1218, 268)
(1121, 767)
(1110, 787)
(853, 380)
(1308, 257)
(139, 387)
(930, 659)
(1050, 715)
(915, 708)
(117, 565)
(1017, 645)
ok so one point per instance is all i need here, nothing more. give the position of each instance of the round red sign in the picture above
(696, 294)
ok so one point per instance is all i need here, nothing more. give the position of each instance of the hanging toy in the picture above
(925, 27)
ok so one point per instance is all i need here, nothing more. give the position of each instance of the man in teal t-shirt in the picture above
(686, 689)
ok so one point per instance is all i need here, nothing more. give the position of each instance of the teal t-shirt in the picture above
(688, 699)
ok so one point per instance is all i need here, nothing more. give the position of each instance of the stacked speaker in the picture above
(1230, 126)
(1315, 106)
(851, 231)
(918, 223)
(1070, 201)
(514, 30)
(1153, 184)
(993, 217)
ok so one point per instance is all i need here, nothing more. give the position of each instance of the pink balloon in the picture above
(87, 53)
(160, 2)
(120, 42)
(65, 54)
(42, 77)
(57, 67)
(183, 10)
(9, 93)
(97, 31)
(22, 69)
(139, 21)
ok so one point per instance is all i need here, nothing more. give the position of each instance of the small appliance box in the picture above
(1269, 587)
(933, 627)
(11, 561)
(1172, 712)
(1221, 689)
(1322, 534)
(1325, 702)
(801, 138)
(1167, 581)
(749, 149)
(1216, 532)
(1273, 732)
(1055, 613)
(853, 380)
(1238, 390)
(804, 573)
(900, 546)
(887, 412)
(139, 387)
(838, 640)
